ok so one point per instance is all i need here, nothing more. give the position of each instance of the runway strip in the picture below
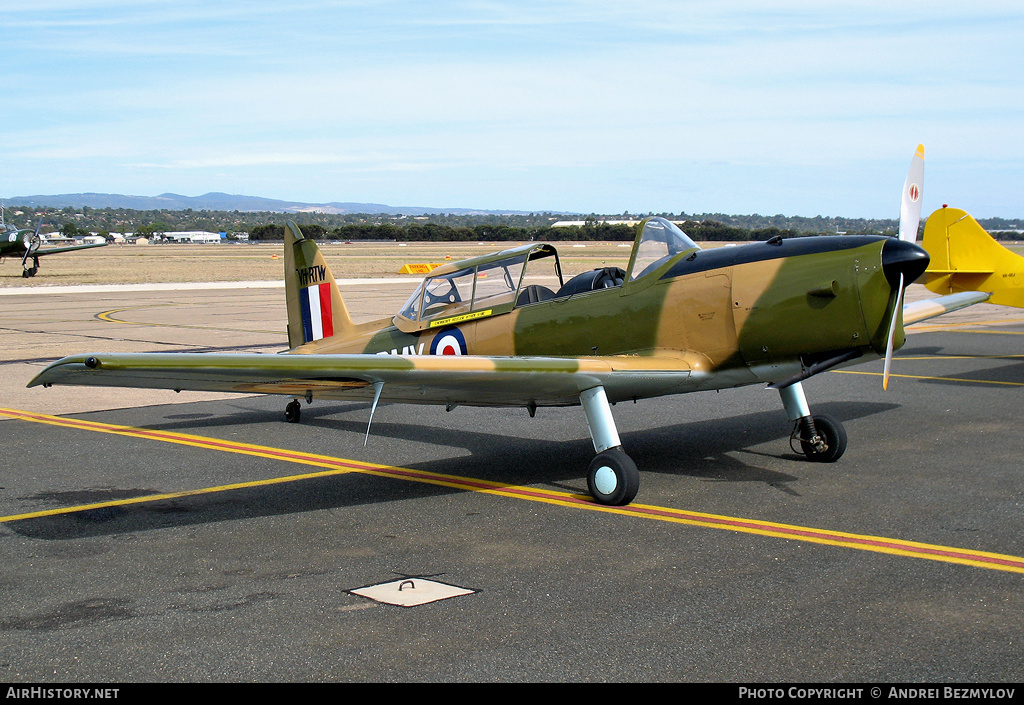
(337, 466)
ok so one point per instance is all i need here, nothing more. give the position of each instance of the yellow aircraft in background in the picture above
(966, 258)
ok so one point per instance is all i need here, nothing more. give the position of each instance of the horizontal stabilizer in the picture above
(930, 308)
(961, 271)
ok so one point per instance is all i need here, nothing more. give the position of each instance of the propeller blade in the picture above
(910, 218)
(889, 345)
(910, 207)
(32, 243)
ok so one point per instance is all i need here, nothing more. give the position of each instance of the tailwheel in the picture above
(293, 412)
(613, 478)
(822, 438)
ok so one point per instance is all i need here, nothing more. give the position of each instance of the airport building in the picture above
(197, 236)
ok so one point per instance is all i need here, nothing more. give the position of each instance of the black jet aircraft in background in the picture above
(28, 244)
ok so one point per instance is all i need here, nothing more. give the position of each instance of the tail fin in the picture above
(966, 258)
(315, 308)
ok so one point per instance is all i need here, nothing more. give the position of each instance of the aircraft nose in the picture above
(902, 257)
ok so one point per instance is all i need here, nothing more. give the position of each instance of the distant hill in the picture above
(229, 202)
(222, 211)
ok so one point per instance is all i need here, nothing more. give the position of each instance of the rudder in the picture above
(964, 257)
(316, 310)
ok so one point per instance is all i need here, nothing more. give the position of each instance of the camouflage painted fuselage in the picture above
(486, 332)
(758, 312)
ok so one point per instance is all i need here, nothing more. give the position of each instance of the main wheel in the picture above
(293, 412)
(833, 436)
(613, 478)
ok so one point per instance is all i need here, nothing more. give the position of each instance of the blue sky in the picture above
(733, 106)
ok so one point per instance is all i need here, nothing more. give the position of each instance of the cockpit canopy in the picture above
(483, 286)
(497, 283)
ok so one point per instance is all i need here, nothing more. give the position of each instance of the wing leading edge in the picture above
(68, 248)
(451, 380)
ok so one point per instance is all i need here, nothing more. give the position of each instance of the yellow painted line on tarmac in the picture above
(932, 358)
(108, 317)
(937, 379)
(989, 332)
(963, 327)
(336, 466)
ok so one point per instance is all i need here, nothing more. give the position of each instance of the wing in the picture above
(930, 308)
(427, 379)
(69, 248)
(421, 379)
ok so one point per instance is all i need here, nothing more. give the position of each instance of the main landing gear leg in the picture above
(821, 438)
(612, 477)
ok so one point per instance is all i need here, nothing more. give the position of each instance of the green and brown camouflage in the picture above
(758, 312)
(508, 330)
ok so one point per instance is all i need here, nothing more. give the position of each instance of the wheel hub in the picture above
(605, 480)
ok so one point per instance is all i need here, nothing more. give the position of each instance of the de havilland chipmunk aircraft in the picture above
(506, 330)
(28, 244)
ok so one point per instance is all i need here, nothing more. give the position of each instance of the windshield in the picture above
(435, 294)
(659, 242)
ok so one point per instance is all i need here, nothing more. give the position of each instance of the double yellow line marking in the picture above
(937, 379)
(108, 317)
(337, 466)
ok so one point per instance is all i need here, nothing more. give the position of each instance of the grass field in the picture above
(140, 264)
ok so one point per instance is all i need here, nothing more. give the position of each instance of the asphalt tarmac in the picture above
(148, 536)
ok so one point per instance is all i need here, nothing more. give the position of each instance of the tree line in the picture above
(703, 231)
(449, 227)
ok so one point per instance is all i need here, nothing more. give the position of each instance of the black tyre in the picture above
(834, 436)
(613, 478)
(293, 412)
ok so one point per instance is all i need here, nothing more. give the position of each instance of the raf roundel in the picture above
(449, 342)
